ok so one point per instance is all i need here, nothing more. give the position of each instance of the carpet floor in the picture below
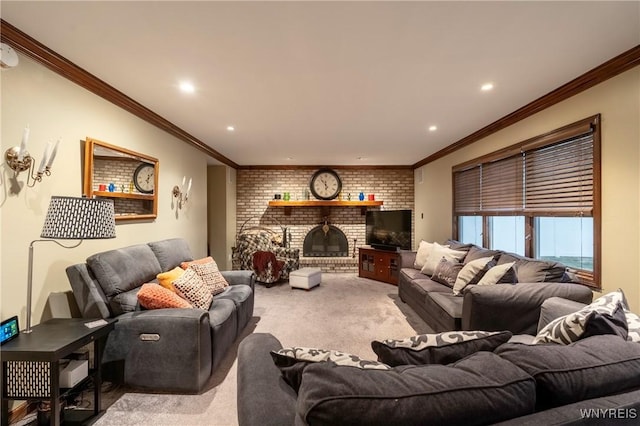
(345, 312)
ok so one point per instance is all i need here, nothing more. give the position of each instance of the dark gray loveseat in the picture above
(164, 349)
(595, 381)
(513, 307)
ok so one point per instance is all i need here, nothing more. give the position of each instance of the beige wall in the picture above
(618, 100)
(55, 107)
(221, 217)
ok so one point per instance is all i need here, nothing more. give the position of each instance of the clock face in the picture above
(144, 178)
(325, 184)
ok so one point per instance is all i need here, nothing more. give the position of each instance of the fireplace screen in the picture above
(319, 243)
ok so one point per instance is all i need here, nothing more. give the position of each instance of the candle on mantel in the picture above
(23, 144)
(53, 154)
(45, 157)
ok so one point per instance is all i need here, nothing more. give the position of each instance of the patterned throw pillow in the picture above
(166, 279)
(471, 273)
(604, 316)
(191, 287)
(154, 296)
(499, 274)
(292, 362)
(437, 253)
(441, 348)
(446, 272)
(211, 275)
(633, 323)
(185, 265)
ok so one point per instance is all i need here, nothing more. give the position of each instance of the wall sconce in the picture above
(180, 194)
(18, 159)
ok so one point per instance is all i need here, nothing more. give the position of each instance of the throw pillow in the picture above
(166, 279)
(441, 348)
(633, 323)
(446, 272)
(292, 362)
(498, 274)
(154, 296)
(191, 287)
(185, 265)
(471, 273)
(604, 316)
(424, 249)
(211, 275)
(437, 253)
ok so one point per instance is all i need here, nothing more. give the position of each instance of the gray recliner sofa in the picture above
(173, 350)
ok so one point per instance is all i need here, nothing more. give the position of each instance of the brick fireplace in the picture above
(256, 187)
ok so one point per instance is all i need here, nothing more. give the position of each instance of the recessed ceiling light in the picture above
(187, 87)
(433, 128)
(486, 87)
(230, 128)
(289, 158)
(361, 158)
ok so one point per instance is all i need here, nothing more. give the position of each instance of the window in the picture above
(538, 198)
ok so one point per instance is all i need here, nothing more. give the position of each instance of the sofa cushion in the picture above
(124, 302)
(533, 270)
(480, 389)
(171, 252)
(438, 252)
(207, 269)
(604, 316)
(476, 252)
(446, 272)
(191, 287)
(589, 368)
(293, 361)
(424, 249)
(124, 269)
(441, 348)
(471, 273)
(449, 303)
(154, 296)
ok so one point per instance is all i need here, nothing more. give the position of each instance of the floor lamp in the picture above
(72, 218)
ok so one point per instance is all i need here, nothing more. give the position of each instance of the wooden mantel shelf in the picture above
(288, 205)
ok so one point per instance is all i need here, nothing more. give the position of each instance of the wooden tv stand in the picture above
(380, 265)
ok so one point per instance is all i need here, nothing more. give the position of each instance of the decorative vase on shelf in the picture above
(361, 196)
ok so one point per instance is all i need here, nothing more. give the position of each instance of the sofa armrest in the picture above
(556, 307)
(407, 258)
(240, 277)
(264, 398)
(162, 349)
(514, 307)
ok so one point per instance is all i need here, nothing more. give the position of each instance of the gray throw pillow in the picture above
(441, 348)
(604, 316)
(447, 272)
(292, 362)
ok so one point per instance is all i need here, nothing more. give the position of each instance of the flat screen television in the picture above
(389, 229)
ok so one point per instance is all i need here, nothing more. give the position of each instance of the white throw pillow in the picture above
(494, 274)
(423, 252)
(469, 272)
(437, 253)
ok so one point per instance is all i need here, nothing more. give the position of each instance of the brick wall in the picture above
(256, 187)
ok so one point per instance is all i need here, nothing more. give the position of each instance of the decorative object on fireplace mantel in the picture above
(325, 184)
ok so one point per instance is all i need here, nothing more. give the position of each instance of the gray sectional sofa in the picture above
(593, 381)
(173, 350)
(513, 307)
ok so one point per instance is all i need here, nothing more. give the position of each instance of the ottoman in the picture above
(306, 278)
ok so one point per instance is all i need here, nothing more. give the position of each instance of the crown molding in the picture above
(609, 69)
(40, 53)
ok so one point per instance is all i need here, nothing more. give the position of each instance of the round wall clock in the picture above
(144, 178)
(325, 184)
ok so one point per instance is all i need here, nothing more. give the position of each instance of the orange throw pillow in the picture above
(166, 279)
(153, 296)
(185, 265)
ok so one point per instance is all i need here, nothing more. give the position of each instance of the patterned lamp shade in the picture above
(75, 218)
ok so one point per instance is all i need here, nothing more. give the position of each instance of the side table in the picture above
(46, 345)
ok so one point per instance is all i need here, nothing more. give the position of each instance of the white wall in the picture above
(55, 107)
(618, 100)
(221, 216)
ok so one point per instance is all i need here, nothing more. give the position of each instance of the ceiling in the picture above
(334, 83)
